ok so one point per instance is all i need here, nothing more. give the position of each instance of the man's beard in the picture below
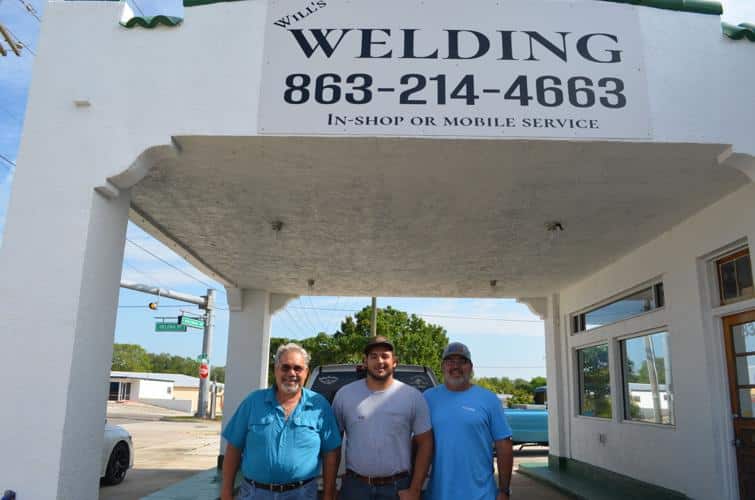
(376, 376)
(290, 387)
(458, 381)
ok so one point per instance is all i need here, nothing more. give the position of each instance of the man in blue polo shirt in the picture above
(281, 436)
(467, 422)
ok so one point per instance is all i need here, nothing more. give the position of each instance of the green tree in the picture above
(537, 382)
(218, 374)
(134, 358)
(130, 358)
(416, 341)
(521, 397)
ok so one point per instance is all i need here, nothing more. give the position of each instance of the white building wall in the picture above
(154, 389)
(665, 455)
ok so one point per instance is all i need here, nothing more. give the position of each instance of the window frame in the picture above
(578, 321)
(723, 259)
(580, 379)
(625, 403)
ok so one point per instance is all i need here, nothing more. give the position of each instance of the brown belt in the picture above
(378, 481)
(280, 488)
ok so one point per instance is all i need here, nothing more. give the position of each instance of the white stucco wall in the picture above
(203, 78)
(154, 389)
(700, 440)
(184, 405)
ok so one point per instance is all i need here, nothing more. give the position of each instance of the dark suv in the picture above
(327, 379)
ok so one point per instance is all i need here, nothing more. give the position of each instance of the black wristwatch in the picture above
(507, 491)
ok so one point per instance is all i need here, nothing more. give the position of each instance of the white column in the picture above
(60, 267)
(248, 346)
(557, 363)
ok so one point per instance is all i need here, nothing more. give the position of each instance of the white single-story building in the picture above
(592, 159)
(169, 390)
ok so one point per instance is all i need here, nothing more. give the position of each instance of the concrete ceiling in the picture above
(421, 217)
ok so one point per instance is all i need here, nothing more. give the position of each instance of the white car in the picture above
(117, 454)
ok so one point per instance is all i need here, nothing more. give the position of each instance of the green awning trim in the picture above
(152, 21)
(697, 6)
(740, 31)
(712, 7)
(192, 3)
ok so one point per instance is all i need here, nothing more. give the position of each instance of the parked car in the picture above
(327, 379)
(529, 422)
(117, 455)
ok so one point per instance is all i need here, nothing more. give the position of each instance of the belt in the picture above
(378, 481)
(280, 488)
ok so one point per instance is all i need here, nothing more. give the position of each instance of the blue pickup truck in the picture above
(529, 423)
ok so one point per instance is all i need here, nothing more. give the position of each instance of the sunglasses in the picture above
(456, 361)
(295, 368)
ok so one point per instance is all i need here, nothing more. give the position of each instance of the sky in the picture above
(504, 337)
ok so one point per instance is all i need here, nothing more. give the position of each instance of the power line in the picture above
(149, 278)
(428, 315)
(8, 161)
(24, 45)
(171, 265)
(30, 9)
(510, 366)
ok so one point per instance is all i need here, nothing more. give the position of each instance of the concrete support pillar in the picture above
(557, 363)
(248, 346)
(60, 267)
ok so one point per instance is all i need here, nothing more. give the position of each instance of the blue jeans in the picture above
(354, 489)
(249, 492)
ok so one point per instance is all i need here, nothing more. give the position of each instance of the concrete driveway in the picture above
(168, 452)
(164, 452)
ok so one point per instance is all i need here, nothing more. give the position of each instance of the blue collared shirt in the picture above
(277, 450)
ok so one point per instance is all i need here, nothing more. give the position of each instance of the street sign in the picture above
(204, 371)
(191, 322)
(169, 327)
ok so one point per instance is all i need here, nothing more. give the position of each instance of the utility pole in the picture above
(207, 303)
(204, 386)
(373, 319)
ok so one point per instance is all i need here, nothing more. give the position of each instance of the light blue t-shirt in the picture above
(277, 450)
(465, 426)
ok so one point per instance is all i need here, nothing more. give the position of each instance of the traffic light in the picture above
(153, 306)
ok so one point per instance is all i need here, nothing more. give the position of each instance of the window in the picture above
(646, 367)
(735, 277)
(594, 382)
(636, 303)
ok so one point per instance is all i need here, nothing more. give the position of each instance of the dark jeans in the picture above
(354, 489)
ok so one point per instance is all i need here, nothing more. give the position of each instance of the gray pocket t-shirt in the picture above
(379, 426)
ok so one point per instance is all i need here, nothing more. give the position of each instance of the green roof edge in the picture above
(740, 31)
(712, 7)
(152, 21)
(193, 3)
(697, 6)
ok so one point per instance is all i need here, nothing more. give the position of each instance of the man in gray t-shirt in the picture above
(382, 417)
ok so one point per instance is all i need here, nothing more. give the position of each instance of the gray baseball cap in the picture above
(457, 348)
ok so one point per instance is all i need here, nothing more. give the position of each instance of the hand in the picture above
(328, 496)
(226, 495)
(502, 496)
(408, 494)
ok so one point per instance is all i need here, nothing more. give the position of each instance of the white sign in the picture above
(448, 68)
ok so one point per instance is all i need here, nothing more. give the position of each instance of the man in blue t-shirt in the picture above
(281, 435)
(467, 422)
